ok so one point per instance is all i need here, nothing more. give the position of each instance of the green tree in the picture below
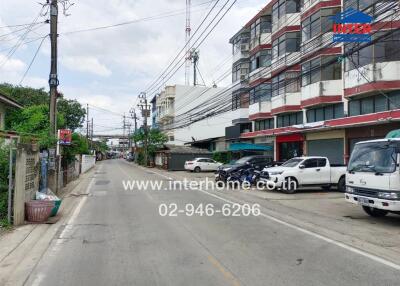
(33, 122)
(73, 113)
(155, 140)
(79, 145)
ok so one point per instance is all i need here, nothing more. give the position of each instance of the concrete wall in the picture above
(88, 162)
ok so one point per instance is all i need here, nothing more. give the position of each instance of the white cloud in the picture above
(86, 64)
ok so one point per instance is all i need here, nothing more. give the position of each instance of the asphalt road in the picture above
(117, 237)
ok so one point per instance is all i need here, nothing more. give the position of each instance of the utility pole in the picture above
(144, 107)
(53, 78)
(123, 137)
(134, 117)
(91, 135)
(87, 122)
(195, 58)
(52, 179)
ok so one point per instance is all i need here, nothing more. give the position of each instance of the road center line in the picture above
(305, 231)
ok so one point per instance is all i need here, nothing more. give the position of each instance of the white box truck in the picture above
(373, 175)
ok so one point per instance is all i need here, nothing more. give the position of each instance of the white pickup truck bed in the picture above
(307, 171)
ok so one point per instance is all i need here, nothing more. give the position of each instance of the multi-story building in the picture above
(304, 95)
(177, 115)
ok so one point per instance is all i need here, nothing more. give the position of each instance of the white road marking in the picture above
(308, 232)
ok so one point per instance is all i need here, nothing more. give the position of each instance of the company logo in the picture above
(351, 26)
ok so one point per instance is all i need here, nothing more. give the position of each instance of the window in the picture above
(261, 59)
(372, 104)
(260, 93)
(265, 24)
(357, 4)
(310, 163)
(287, 43)
(292, 6)
(317, 23)
(289, 119)
(324, 68)
(240, 71)
(278, 10)
(288, 82)
(264, 124)
(321, 162)
(384, 50)
(328, 112)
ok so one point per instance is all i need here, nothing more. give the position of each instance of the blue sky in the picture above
(108, 68)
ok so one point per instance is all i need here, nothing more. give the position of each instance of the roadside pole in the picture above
(145, 110)
(53, 83)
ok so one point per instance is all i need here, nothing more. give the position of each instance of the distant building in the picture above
(177, 114)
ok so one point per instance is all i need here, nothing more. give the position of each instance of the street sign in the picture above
(64, 137)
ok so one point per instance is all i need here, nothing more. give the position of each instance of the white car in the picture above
(306, 172)
(202, 164)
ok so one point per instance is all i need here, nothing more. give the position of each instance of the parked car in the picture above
(130, 157)
(306, 172)
(202, 164)
(257, 162)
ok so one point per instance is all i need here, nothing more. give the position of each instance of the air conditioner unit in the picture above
(243, 77)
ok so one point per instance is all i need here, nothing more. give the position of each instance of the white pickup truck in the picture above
(305, 172)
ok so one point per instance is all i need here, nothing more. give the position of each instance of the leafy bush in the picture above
(140, 158)
(4, 168)
(223, 157)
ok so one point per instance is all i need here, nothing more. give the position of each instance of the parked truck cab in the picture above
(373, 176)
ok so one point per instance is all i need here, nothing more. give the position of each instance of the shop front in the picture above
(329, 144)
(289, 146)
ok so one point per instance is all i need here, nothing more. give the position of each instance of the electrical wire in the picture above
(33, 59)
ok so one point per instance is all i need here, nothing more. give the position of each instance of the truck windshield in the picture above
(377, 158)
(292, 162)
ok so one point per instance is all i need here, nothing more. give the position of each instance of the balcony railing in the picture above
(285, 60)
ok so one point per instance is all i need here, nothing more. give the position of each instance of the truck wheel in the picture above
(290, 185)
(342, 185)
(197, 170)
(374, 212)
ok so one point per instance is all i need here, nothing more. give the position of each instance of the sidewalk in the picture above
(22, 248)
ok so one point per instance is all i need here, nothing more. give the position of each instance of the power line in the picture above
(184, 47)
(209, 32)
(33, 59)
(150, 18)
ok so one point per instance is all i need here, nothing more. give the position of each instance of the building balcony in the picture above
(317, 42)
(263, 39)
(285, 103)
(372, 77)
(170, 92)
(243, 83)
(260, 110)
(292, 19)
(258, 74)
(321, 92)
(242, 53)
(307, 4)
(285, 60)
